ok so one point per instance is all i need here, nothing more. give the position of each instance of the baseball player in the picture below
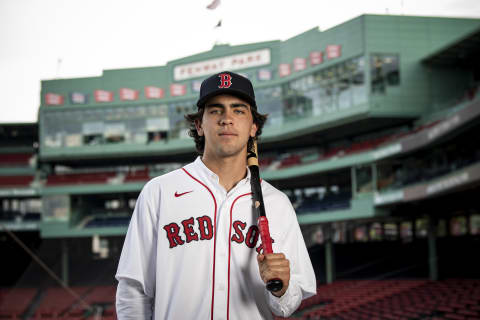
(192, 249)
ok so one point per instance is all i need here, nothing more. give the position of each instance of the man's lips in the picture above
(227, 134)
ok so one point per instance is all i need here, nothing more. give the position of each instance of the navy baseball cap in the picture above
(226, 82)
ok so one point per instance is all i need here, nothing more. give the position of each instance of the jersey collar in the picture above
(213, 176)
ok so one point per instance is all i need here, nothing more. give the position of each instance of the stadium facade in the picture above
(373, 134)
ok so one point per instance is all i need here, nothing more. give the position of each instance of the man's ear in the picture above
(198, 126)
(253, 130)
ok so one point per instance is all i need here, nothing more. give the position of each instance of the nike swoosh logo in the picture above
(181, 194)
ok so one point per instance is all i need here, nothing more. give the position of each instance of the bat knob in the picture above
(274, 285)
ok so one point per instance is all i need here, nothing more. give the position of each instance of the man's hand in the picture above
(272, 266)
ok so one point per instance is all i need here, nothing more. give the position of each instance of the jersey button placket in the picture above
(221, 269)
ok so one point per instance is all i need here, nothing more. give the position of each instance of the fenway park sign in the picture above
(233, 62)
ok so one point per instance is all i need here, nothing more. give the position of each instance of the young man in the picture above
(192, 249)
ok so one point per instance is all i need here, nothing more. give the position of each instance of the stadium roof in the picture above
(462, 53)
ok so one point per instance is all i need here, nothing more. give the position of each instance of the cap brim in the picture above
(237, 93)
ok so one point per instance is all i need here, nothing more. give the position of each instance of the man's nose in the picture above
(226, 118)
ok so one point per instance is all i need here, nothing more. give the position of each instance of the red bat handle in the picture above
(265, 235)
(273, 284)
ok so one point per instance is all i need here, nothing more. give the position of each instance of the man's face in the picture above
(227, 124)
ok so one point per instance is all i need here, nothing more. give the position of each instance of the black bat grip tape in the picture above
(274, 285)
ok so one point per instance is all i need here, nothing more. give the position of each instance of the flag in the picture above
(264, 74)
(177, 90)
(196, 84)
(284, 69)
(154, 92)
(213, 5)
(53, 99)
(334, 51)
(128, 94)
(78, 98)
(103, 96)
(299, 64)
(316, 57)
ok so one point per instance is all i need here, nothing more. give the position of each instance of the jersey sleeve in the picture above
(138, 258)
(131, 303)
(302, 277)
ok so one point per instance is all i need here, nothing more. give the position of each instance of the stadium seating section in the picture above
(141, 175)
(331, 201)
(456, 299)
(80, 178)
(15, 215)
(56, 303)
(15, 159)
(284, 161)
(14, 302)
(15, 181)
(138, 175)
(394, 300)
(108, 221)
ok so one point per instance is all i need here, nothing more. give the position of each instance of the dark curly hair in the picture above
(258, 118)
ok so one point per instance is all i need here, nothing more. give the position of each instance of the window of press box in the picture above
(179, 127)
(23, 209)
(141, 124)
(56, 208)
(364, 176)
(268, 102)
(335, 88)
(385, 72)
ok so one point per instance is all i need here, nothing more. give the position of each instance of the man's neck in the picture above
(230, 170)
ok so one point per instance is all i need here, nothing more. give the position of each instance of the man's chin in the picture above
(228, 153)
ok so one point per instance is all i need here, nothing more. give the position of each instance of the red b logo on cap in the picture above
(225, 80)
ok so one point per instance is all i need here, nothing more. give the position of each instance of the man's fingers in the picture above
(276, 260)
(272, 274)
(274, 266)
(274, 256)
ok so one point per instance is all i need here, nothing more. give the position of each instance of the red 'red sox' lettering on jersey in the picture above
(204, 227)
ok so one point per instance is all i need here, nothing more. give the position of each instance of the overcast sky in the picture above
(47, 39)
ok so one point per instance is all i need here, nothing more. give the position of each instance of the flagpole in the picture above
(212, 6)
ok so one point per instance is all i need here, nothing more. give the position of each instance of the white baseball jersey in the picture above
(192, 247)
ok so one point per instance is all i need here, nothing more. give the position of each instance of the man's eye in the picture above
(215, 111)
(239, 111)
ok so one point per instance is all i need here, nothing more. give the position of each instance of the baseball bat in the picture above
(252, 160)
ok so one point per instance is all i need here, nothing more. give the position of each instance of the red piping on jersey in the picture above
(214, 236)
(229, 251)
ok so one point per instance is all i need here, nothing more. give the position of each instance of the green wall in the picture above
(415, 38)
